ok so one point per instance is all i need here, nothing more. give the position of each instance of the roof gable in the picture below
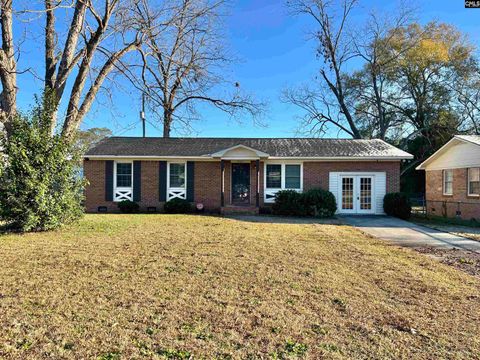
(461, 151)
(239, 152)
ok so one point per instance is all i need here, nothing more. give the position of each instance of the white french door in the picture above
(356, 194)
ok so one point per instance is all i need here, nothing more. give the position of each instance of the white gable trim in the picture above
(452, 142)
(224, 153)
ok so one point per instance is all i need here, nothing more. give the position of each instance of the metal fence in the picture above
(443, 208)
(419, 205)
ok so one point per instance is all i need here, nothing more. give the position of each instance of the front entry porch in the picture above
(240, 186)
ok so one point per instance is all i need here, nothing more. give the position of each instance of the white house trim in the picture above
(269, 193)
(378, 190)
(429, 164)
(121, 193)
(176, 192)
(211, 158)
(223, 153)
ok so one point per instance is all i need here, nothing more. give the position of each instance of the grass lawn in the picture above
(159, 286)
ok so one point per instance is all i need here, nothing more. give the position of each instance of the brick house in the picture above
(453, 179)
(230, 174)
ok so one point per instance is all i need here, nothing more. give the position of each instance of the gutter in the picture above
(207, 157)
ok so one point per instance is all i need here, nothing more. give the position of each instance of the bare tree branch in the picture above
(183, 61)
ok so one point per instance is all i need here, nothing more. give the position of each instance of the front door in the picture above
(240, 184)
(356, 194)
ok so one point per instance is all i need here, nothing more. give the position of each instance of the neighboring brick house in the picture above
(238, 174)
(453, 179)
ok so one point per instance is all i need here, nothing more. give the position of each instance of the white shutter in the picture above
(333, 187)
(380, 191)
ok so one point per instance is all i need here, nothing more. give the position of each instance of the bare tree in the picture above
(370, 85)
(467, 90)
(336, 48)
(98, 36)
(184, 62)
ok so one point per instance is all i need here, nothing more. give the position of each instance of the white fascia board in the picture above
(338, 158)
(210, 158)
(220, 153)
(437, 153)
(147, 157)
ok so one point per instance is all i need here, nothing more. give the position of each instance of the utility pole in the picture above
(142, 114)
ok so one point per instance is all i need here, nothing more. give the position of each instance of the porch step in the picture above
(239, 210)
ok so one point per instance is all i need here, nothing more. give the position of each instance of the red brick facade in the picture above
(459, 204)
(316, 174)
(207, 181)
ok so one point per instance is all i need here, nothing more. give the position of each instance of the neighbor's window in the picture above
(447, 182)
(124, 174)
(474, 181)
(274, 176)
(292, 176)
(177, 175)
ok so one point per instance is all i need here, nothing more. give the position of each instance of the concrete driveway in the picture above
(407, 234)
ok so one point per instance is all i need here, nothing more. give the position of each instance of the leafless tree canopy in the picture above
(179, 58)
(389, 78)
(335, 48)
(77, 62)
(184, 62)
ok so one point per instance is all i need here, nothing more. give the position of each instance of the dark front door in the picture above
(240, 184)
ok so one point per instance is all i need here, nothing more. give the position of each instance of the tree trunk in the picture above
(167, 122)
(8, 67)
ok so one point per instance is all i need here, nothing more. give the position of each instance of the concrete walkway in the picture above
(407, 234)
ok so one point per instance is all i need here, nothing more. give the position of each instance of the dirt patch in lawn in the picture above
(467, 261)
(177, 287)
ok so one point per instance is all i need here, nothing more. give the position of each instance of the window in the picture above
(292, 176)
(447, 182)
(177, 175)
(124, 174)
(274, 176)
(474, 181)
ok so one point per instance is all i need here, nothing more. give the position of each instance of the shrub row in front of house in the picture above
(174, 206)
(314, 202)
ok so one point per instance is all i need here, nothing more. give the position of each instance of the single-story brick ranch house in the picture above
(453, 179)
(225, 174)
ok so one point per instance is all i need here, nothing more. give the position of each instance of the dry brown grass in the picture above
(158, 286)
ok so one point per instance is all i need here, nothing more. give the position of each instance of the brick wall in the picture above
(94, 171)
(448, 205)
(208, 181)
(208, 184)
(316, 174)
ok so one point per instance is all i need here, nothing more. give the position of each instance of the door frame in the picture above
(340, 194)
(372, 195)
(245, 163)
(356, 194)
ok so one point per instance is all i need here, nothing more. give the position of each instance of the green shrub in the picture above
(288, 203)
(177, 206)
(398, 205)
(128, 207)
(319, 203)
(314, 202)
(40, 185)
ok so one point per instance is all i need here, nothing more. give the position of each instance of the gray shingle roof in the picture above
(275, 147)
